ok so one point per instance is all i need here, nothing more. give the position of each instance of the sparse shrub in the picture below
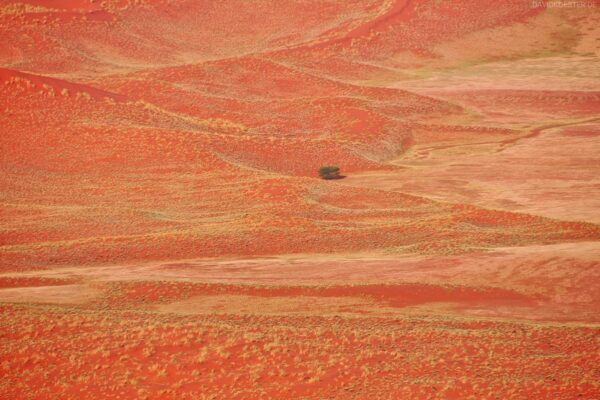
(329, 172)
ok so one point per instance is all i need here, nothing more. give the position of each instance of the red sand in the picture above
(163, 233)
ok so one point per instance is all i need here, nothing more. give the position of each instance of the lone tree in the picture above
(329, 172)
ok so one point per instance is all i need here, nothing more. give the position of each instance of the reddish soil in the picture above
(164, 233)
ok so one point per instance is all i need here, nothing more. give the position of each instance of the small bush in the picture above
(329, 172)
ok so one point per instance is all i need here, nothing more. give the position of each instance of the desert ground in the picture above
(164, 233)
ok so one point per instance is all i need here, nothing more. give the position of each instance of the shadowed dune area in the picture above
(164, 233)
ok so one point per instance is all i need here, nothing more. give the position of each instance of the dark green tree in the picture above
(329, 172)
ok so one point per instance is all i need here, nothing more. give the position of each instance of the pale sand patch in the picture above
(533, 74)
(256, 305)
(554, 174)
(65, 294)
